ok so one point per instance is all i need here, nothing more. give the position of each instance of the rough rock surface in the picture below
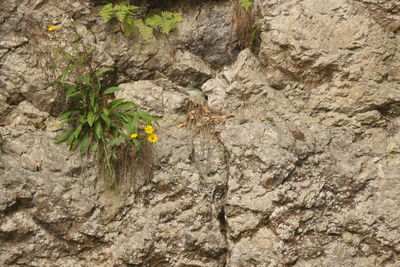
(295, 161)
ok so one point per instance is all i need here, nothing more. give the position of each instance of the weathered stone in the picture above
(331, 69)
(159, 100)
(236, 83)
(207, 32)
(298, 165)
(190, 70)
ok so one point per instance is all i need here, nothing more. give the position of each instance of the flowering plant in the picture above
(95, 120)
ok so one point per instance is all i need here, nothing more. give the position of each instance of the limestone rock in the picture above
(155, 98)
(189, 70)
(207, 32)
(298, 165)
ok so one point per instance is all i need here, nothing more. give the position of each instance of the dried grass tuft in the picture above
(132, 170)
(242, 23)
(201, 119)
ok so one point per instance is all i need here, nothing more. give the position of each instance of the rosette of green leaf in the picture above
(96, 121)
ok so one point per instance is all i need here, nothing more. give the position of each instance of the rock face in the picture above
(288, 157)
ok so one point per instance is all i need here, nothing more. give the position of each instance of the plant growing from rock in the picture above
(164, 21)
(255, 38)
(96, 121)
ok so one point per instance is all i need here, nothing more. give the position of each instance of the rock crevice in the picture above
(284, 157)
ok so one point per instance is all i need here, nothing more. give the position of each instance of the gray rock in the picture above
(189, 70)
(207, 32)
(298, 166)
(158, 99)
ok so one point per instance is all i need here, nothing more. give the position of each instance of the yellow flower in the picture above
(152, 138)
(134, 135)
(51, 28)
(149, 129)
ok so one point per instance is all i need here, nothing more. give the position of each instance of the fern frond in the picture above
(170, 21)
(107, 12)
(123, 10)
(145, 31)
(165, 21)
(154, 20)
(129, 26)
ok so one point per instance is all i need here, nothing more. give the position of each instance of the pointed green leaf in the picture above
(90, 118)
(72, 93)
(122, 118)
(77, 131)
(98, 129)
(68, 86)
(66, 121)
(96, 107)
(106, 119)
(146, 117)
(82, 119)
(70, 139)
(65, 114)
(102, 71)
(84, 144)
(106, 112)
(132, 125)
(125, 106)
(112, 90)
(74, 144)
(92, 99)
(64, 136)
(95, 146)
(115, 102)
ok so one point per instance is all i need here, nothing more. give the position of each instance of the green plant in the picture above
(245, 3)
(164, 21)
(255, 38)
(95, 120)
